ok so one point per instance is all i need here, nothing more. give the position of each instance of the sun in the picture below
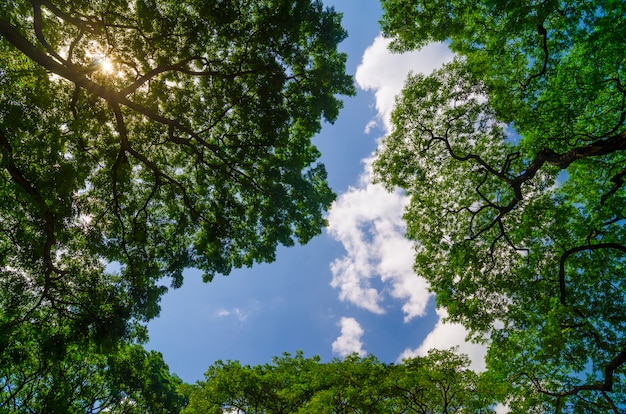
(106, 65)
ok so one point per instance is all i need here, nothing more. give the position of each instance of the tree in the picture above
(61, 378)
(440, 382)
(353, 385)
(139, 139)
(281, 387)
(513, 157)
(437, 383)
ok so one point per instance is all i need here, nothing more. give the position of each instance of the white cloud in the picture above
(370, 125)
(350, 340)
(445, 336)
(385, 72)
(367, 219)
(240, 314)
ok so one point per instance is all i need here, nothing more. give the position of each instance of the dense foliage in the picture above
(48, 378)
(439, 382)
(138, 139)
(141, 138)
(513, 157)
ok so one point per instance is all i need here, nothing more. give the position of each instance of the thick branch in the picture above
(67, 17)
(75, 75)
(48, 216)
(602, 387)
(601, 147)
(38, 25)
(618, 361)
(605, 386)
(574, 250)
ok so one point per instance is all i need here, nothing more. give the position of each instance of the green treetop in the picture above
(513, 157)
(157, 135)
(439, 382)
(141, 138)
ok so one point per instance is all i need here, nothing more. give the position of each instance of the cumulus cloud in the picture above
(349, 341)
(367, 219)
(447, 335)
(384, 72)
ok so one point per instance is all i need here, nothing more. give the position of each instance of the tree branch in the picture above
(618, 182)
(81, 24)
(38, 25)
(546, 55)
(602, 386)
(75, 75)
(601, 147)
(574, 250)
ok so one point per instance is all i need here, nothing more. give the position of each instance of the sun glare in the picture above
(106, 66)
(99, 61)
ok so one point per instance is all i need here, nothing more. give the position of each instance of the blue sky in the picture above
(351, 289)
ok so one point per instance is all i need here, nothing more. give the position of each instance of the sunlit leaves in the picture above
(519, 226)
(437, 382)
(139, 139)
(193, 150)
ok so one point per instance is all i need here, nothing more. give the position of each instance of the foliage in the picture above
(280, 387)
(53, 377)
(438, 382)
(141, 138)
(513, 157)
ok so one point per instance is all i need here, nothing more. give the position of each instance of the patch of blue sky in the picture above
(512, 136)
(290, 305)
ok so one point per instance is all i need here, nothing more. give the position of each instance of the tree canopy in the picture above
(40, 378)
(159, 136)
(513, 158)
(141, 138)
(439, 382)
